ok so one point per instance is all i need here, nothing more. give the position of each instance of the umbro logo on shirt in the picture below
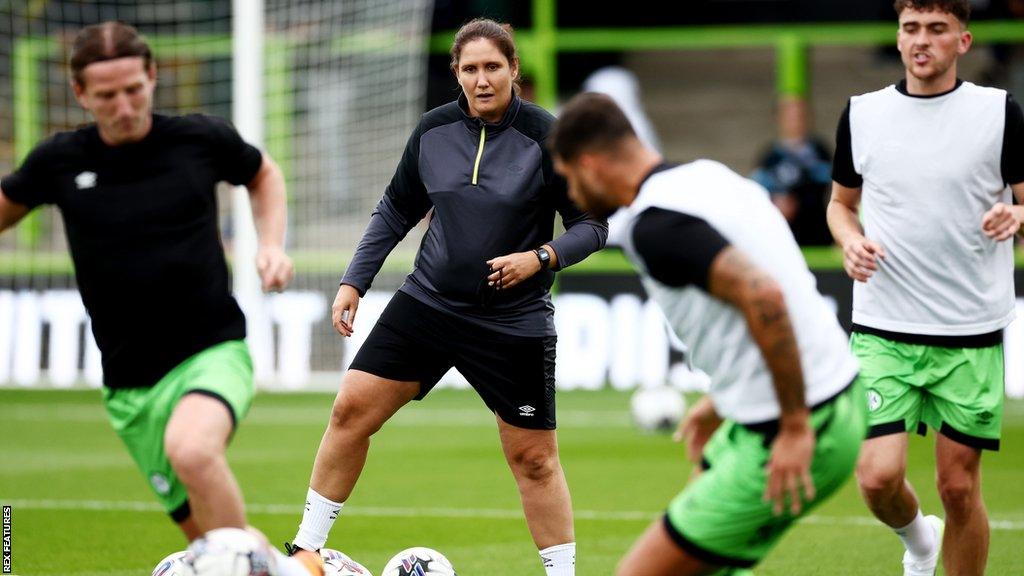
(527, 410)
(85, 180)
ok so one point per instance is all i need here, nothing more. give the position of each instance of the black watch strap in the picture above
(543, 256)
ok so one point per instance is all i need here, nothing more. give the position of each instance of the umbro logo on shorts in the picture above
(526, 410)
(160, 483)
(874, 400)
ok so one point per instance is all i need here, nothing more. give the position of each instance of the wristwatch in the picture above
(543, 256)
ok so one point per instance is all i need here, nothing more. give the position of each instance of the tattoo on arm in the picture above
(737, 281)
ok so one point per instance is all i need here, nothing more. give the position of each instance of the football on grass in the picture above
(175, 564)
(418, 561)
(231, 552)
(657, 409)
(337, 563)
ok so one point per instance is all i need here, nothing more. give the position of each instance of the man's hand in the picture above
(1001, 222)
(789, 467)
(275, 268)
(696, 429)
(343, 311)
(860, 258)
(507, 271)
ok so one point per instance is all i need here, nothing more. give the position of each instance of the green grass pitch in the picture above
(435, 477)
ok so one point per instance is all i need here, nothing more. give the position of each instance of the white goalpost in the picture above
(247, 115)
(330, 89)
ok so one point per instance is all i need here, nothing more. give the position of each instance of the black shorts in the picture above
(514, 375)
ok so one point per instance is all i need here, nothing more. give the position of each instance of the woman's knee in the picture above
(535, 463)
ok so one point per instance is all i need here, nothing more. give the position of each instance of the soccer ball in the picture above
(231, 552)
(175, 564)
(657, 409)
(339, 564)
(418, 561)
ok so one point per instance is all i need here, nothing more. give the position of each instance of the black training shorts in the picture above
(514, 375)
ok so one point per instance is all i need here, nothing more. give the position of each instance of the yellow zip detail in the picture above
(479, 153)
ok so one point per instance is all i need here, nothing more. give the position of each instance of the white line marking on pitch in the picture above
(389, 512)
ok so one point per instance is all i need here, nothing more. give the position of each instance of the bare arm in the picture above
(1018, 194)
(860, 255)
(736, 280)
(10, 212)
(269, 207)
(843, 213)
(270, 214)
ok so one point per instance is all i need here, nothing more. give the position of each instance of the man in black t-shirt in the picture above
(137, 192)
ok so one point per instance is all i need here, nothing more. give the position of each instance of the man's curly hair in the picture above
(959, 8)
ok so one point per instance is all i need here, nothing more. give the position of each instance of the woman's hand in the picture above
(507, 271)
(343, 312)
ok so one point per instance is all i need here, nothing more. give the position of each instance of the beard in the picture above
(594, 203)
(602, 210)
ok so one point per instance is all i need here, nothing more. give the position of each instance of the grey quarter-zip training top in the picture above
(494, 191)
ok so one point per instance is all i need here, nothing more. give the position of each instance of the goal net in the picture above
(343, 85)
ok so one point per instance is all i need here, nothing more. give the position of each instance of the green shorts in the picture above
(957, 392)
(721, 517)
(139, 415)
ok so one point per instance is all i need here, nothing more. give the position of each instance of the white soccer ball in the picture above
(175, 564)
(657, 409)
(418, 561)
(231, 552)
(338, 563)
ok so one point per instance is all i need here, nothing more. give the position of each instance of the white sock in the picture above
(559, 560)
(918, 537)
(317, 520)
(289, 566)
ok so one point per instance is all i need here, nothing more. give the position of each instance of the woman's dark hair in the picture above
(500, 34)
(107, 41)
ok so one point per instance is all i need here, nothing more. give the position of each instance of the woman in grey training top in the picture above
(478, 297)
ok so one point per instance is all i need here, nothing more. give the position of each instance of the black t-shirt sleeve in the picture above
(1012, 163)
(32, 183)
(677, 249)
(237, 160)
(843, 171)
